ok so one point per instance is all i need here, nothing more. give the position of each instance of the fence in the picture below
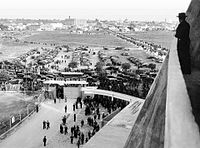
(14, 120)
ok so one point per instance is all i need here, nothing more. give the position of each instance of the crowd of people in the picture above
(84, 127)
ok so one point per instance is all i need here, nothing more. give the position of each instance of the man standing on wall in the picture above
(183, 46)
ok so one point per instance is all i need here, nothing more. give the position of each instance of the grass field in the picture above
(65, 38)
(12, 103)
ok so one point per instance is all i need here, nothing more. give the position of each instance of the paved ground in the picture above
(30, 134)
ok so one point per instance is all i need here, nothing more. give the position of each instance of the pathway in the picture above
(30, 133)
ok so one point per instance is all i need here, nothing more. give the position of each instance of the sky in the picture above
(140, 10)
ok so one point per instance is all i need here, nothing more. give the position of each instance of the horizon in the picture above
(142, 10)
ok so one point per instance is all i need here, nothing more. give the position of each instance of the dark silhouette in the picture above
(37, 108)
(65, 108)
(48, 124)
(44, 124)
(45, 140)
(72, 138)
(61, 128)
(183, 46)
(66, 130)
(74, 117)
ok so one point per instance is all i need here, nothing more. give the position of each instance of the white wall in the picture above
(72, 92)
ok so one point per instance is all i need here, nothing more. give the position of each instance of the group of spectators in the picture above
(95, 110)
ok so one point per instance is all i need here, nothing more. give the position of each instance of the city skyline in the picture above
(142, 10)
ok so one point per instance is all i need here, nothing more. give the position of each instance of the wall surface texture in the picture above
(193, 18)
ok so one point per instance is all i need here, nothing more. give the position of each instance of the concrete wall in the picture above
(149, 128)
(72, 92)
(193, 18)
(53, 90)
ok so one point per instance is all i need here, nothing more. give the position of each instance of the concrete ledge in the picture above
(115, 133)
(181, 131)
(121, 96)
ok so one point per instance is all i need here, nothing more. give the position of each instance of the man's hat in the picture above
(182, 15)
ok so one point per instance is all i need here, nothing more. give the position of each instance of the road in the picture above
(30, 133)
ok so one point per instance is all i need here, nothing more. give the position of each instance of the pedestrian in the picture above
(48, 124)
(86, 140)
(72, 130)
(37, 108)
(65, 98)
(74, 117)
(82, 138)
(74, 107)
(72, 138)
(64, 119)
(44, 124)
(61, 128)
(45, 140)
(78, 143)
(65, 108)
(77, 128)
(183, 44)
(54, 100)
(75, 133)
(66, 128)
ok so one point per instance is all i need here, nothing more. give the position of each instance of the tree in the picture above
(126, 66)
(72, 65)
(4, 76)
(99, 66)
(152, 66)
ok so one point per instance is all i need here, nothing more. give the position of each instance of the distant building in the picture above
(70, 21)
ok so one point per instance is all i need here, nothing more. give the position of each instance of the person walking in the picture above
(48, 124)
(183, 44)
(74, 107)
(65, 108)
(66, 130)
(45, 140)
(44, 124)
(82, 138)
(61, 128)
(74, 117)
(37, 108)
(72, 139)
(65, 98)
(78, 143)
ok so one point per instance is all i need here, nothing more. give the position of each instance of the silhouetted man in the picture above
(66, 130)
(44, 124)
(74, 117)
(48, 124)
(45, 140)
(183, 46)
(65, 108)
